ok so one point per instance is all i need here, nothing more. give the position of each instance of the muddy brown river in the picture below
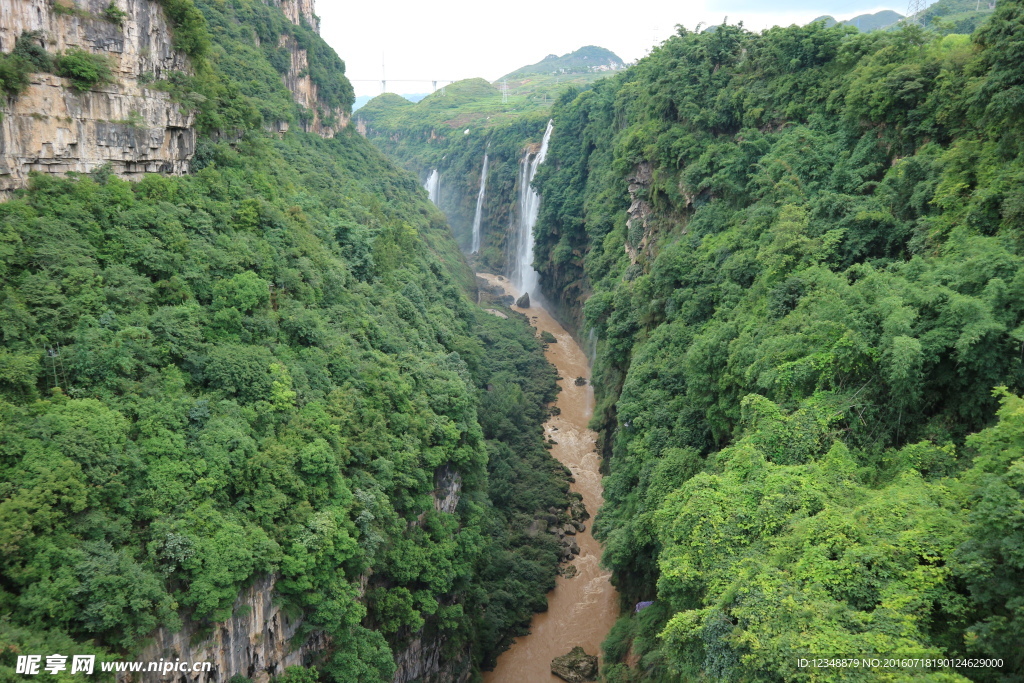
(581, 610)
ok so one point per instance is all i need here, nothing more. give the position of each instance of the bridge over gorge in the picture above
(384, 82)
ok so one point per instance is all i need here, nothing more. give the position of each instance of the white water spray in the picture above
(475, 248)
(524, 277)
(433, 185)
(591, 347)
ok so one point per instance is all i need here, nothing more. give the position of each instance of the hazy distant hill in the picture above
(954, 16)
(412, 97)
(584, 60)
(867, 22)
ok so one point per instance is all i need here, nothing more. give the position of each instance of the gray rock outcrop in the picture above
(424, 661)
(255, 642)
(447, 489)
(575, 667)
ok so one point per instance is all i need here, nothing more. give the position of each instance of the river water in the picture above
(581, 610)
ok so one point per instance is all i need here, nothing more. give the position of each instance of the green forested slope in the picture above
(262, 368)
(802, 252)
(956, 16)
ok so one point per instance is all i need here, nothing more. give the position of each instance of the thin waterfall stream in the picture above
(524, 277)
(433, 186)
(478, 216)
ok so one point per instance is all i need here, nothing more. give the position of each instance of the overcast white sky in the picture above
(456, 39)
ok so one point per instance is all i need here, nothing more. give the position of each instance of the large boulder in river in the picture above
(578, 511)
(575, 667)
(524, 300)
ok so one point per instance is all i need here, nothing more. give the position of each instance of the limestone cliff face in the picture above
(256, 642)
(423, 662)
(323, 120)
(639, 213)
(299, 10)
(447, 489)
(51, 128)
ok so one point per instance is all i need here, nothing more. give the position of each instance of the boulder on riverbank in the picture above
(575, 667)
(524, 300)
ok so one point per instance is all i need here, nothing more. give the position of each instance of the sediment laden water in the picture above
(581, 610)
(524, 277)
(477, 217)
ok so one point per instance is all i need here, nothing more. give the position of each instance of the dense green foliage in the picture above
(259, 370)
(956, 16)
(13, 75)
(271, 367)
(239, 52)
(801, 252)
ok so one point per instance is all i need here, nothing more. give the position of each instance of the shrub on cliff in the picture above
(85, 69)
(13, 74)
(190, 35)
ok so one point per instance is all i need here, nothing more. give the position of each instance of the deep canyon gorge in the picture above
(707, 364)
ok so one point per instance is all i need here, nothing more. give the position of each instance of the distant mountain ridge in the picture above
(957, 16)
(412, 97)
(587, 59)
(866, 22)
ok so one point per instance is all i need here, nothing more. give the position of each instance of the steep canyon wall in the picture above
(322, 119)
(52, 128)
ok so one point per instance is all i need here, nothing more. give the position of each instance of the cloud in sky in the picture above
(456, 39)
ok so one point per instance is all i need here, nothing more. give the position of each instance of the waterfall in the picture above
(524, 277)
(475, 249)
(433, 186)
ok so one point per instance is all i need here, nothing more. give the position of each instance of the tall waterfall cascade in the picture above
(475, 247)
(433, 186)
(524, 277)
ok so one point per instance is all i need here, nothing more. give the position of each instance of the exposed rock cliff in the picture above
(447, 489)
(323, 119)
(51, 128)
(255, 642)
(299, 10)
(423, 661)
(639, 212)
